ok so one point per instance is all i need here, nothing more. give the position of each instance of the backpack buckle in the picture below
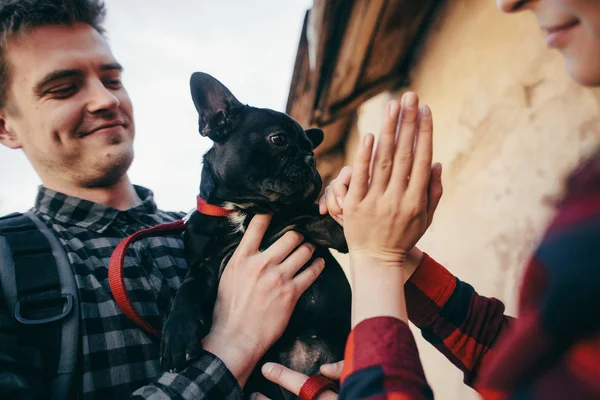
(43, 309)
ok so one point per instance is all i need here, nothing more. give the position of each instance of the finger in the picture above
(339, 187)
(323, 202)
(333, 371)
(306, 278)
(403, 157)
(250, 243)
(360, 179)
(333, 203)
(297, 259)
(284, 377)
(435, 191)
(421, 168)
(258, 396)
(283, 247)
(383, 160)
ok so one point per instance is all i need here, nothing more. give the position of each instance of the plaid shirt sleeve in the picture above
(382, 362)
(206, 378)
(461, 324)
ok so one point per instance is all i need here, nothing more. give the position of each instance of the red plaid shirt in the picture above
(552, 351)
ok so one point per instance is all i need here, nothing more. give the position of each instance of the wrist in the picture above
(377, 289)
(366, 260)
(239, 353)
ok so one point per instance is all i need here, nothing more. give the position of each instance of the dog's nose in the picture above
(310, 160)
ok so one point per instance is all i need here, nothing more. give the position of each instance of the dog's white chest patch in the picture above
(303, 356)
(237, 218)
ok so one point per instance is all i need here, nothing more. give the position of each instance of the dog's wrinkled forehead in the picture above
(265, 122)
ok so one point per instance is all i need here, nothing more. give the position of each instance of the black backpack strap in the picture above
(41, 294)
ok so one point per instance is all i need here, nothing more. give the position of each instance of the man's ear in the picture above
(217, 107)
(315, 135)
(7, 137)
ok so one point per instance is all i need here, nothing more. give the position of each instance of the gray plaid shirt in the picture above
(117, 359)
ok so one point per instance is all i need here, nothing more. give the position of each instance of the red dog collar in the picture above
(314, 386)
(205, 208)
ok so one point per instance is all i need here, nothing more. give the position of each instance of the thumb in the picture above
(333, 371)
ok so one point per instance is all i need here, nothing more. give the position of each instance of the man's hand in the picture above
(257, 294)
(293, 381)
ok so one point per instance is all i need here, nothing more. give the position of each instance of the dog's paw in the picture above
(180, 342)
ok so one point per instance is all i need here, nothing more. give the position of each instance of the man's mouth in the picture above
(557, 35)
(108, 127)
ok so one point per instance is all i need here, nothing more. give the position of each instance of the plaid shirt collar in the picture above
(88, 215)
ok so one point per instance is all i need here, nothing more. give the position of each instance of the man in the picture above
(63, 103)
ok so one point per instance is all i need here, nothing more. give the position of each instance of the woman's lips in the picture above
(558, 35)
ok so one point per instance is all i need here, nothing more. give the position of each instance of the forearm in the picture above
(378, 289)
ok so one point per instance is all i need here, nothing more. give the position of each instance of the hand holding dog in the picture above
(257, 294)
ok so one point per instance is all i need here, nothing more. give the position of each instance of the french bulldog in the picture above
(261, 161)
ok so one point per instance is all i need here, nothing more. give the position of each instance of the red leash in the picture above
(115, 266)
(115, 271)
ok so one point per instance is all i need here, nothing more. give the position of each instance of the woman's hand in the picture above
(257, 294)
(387, 201)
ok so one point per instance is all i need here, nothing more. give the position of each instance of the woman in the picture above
(552, 351)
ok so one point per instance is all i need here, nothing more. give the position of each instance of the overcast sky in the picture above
(250, 46)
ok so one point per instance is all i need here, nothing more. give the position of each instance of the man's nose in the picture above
(102, 98)
(509, 6)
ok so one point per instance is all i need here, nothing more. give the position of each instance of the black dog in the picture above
(261, 162)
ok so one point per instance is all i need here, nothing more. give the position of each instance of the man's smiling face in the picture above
(66, 106)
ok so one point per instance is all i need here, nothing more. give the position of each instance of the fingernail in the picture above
(368, 140)
(425, 111)
(327, 367)
(321, 262)
(253, 396)
(394, 109)
(340, 202)
(267, 368)
(410, 100)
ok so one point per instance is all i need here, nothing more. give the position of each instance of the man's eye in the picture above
(62, 91)
(278, 140)
(113, 84)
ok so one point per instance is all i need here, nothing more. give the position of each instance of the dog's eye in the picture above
(278, 140)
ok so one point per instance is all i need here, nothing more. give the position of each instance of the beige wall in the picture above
(509, 124)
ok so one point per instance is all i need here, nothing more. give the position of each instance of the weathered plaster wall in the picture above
(509, 125)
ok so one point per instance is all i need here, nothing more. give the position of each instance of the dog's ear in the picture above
(315, 135)
(217, 107)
